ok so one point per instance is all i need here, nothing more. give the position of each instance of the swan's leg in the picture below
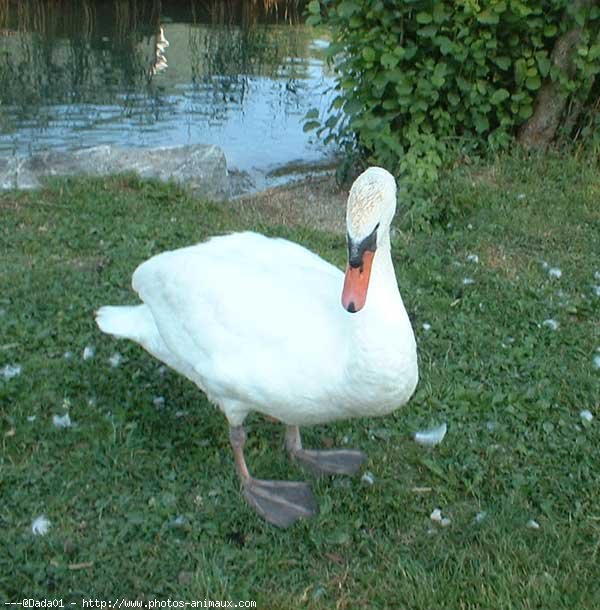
(279, 502)
(331, 461)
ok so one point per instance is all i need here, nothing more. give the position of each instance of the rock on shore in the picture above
(201, 167)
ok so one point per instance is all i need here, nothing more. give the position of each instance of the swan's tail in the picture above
(136, 322)
(128, 322)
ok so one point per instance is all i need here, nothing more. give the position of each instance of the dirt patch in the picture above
(9, 202)
(315, 202)
(499, 260)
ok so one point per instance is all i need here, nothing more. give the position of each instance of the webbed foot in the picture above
(331, 461)
(281, 503)
(328, 461)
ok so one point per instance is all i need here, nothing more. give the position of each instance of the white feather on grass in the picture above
(554, 272)
(551, 324)
(437, 517)
(62, 421)
(11, 370)
(480, 516)
(368, 478)
(432, 436)
(40, 526)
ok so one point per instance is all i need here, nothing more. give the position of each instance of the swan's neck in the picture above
(382, 327)
(383, 298)
(382, 356)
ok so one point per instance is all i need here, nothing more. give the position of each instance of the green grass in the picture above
(510, 389)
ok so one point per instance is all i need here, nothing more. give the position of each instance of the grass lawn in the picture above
(141, 490)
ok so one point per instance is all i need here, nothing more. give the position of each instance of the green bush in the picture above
(418, 80)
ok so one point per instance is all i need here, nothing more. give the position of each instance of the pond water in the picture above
(240, 75)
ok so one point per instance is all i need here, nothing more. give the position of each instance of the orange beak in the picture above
(356, 283)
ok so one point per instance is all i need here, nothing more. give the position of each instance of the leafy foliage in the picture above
(417, 79)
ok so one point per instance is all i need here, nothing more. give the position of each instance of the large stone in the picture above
(200, 167)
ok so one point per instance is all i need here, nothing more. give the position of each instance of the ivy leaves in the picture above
(414, 76)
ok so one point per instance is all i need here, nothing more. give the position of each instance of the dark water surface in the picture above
(240, 75)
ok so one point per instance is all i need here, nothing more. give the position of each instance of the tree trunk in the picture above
(550, 103)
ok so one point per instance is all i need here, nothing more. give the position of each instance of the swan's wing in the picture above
(244, 307)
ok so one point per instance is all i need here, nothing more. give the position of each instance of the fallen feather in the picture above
(88, 352)
(11, 370)
(432, 436)
(467, 281)
(40, 526)
(368, 478)
(426, 326)
(586, 415)
(436, 516)
(479, 517)
(115, 359)
(31, 418)
(533, 524)
(68, 355)
(554, 272)
(521, 196)
(473, 258)
(178, 521)
(551, 324)
(62, 421)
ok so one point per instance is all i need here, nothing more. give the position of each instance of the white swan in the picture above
(256, 323)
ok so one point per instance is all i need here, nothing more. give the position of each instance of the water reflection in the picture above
(237, 74)
(160, 52)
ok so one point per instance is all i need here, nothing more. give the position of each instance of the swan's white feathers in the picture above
(371, 194)
(234, 294)
(257, 322)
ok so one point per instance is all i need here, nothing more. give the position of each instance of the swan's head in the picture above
(371, 207)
